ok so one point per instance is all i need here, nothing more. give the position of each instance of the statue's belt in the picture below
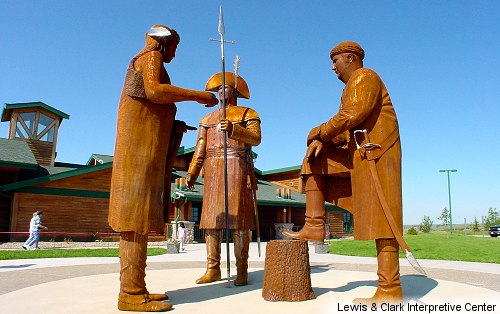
(217, 152)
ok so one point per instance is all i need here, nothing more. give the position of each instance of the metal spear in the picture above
(221, 31)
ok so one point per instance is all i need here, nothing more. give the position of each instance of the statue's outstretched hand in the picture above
(314, 134)
(208, 99)
(190, 181)
(314, 149)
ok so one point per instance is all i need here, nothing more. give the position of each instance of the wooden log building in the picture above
(74, 198)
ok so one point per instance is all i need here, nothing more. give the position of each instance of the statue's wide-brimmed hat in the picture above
(348, 47)
(215, 81)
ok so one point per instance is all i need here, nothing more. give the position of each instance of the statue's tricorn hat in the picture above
(215, 81)
(348, 47)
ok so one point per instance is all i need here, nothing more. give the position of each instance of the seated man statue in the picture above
(364, 130)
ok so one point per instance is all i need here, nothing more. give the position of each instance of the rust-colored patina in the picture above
(148, 137)
(366, 116)
(243, 131)
(287, 274)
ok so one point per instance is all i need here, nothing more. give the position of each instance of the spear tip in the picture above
(221, 22)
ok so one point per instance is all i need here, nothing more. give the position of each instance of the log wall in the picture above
(61, 213)
(94, 181)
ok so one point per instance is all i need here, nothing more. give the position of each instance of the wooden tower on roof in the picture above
(37, 124)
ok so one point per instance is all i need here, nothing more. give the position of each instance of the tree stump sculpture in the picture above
(287, 272)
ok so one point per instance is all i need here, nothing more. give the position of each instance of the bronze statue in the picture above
(361, 139)
(243, 131)
(147, 140)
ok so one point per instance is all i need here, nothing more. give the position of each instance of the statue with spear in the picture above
(223, 148)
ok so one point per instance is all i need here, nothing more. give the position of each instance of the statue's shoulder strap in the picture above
(134, 82)
(237, 114)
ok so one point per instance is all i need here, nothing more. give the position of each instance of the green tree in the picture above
(412, 231)
(492, 219)
(426, 225)
(445, 216)
(475, 225)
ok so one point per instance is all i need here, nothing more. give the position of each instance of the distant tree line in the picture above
(491, 219)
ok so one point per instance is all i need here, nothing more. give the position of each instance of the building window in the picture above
(46, 128)
(347, 218)
(21, 131)
(195, 214)
(29, 120)
(36, 126)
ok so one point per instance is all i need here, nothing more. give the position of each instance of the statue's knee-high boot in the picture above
(241, 239)
(314, 228)
(133, 293)
(389, 285)
(212, 239)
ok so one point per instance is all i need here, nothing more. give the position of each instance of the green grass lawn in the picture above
(434, 245)
(61, 253)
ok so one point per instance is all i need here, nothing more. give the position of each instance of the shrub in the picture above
(475, 225)
(426, 225)
(412, 231)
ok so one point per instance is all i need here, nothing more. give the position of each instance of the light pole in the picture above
(449, 195)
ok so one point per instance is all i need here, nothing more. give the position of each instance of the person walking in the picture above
(35, 226)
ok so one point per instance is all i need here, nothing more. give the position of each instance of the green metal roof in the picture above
(266, 193)
(280, 170)
(53, 174)
(7, 109)
(101, 159)
(16, 154)
(183, 151)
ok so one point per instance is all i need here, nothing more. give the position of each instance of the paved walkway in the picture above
(90, 285)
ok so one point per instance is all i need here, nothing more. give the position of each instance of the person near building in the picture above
(147, 140)
(364, 130)
(181, 236)
(35, 226)
(242, 125)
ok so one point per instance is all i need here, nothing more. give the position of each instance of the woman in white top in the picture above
(181, 235)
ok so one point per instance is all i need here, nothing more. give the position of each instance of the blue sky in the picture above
(440, 61)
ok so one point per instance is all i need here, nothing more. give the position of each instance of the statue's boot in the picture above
(212, 239)
(133, 293)
(314, 228)
(389, 285)
(241, 239)
(141, 303)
